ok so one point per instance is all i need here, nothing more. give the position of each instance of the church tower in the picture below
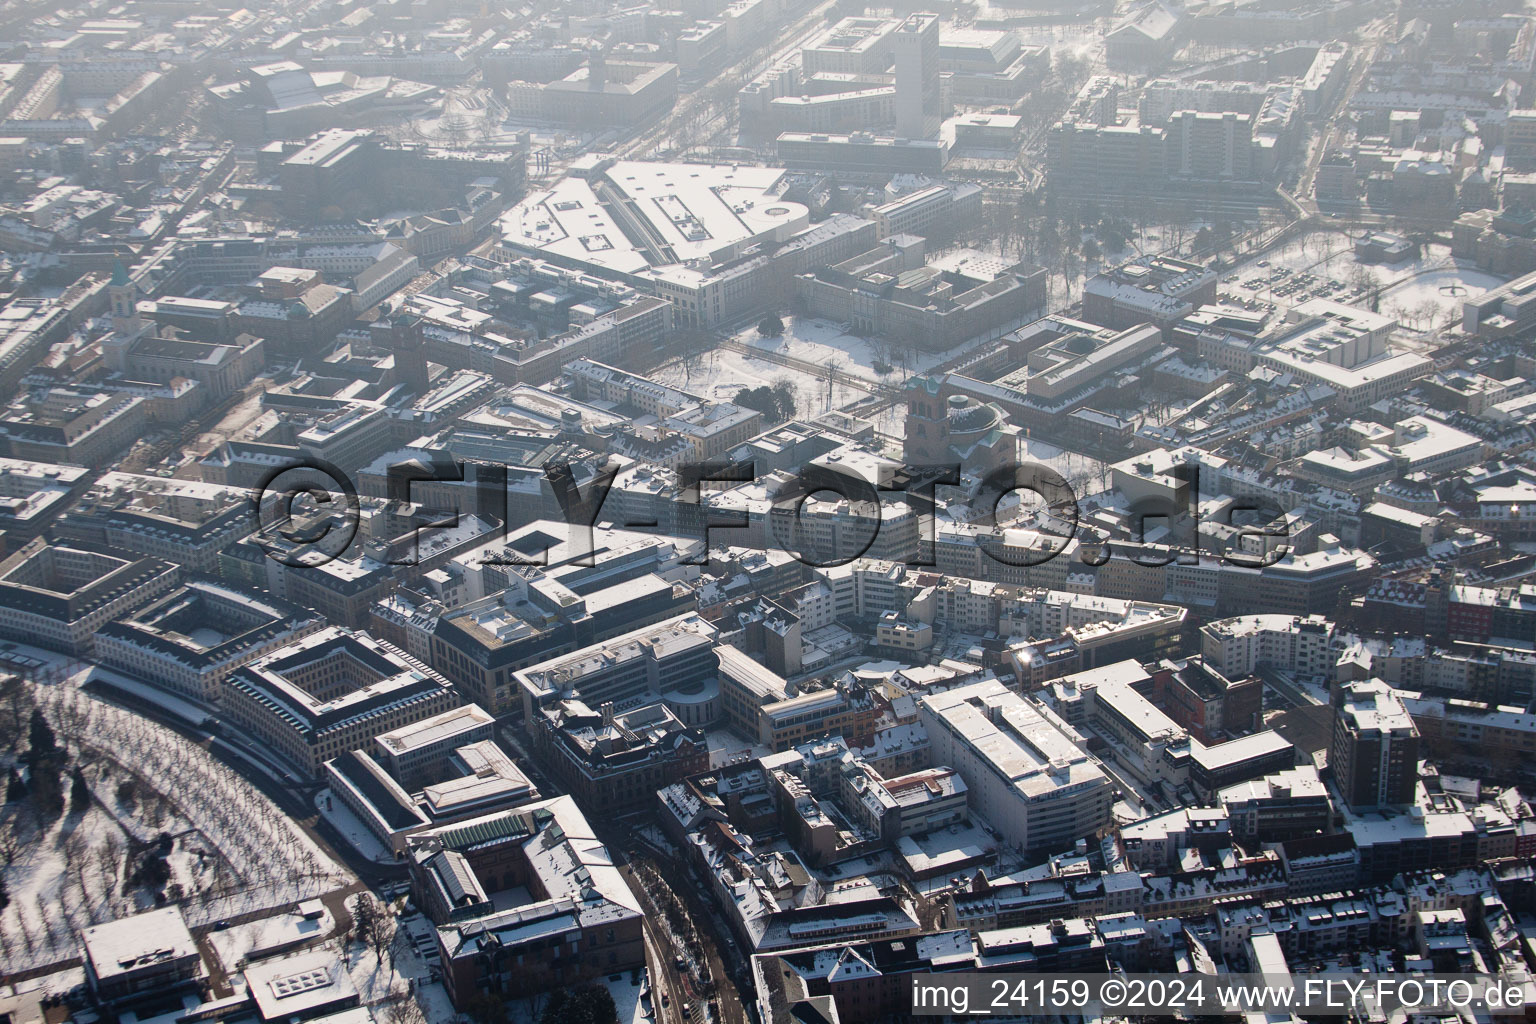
(927, 424)
(127, 328)
(124, 295)
(410, 346)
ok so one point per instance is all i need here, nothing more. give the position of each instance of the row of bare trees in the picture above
(250, 856)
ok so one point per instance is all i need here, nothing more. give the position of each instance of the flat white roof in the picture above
(1374, 706)
(435, 729)
(299, 984)
(1022, 745)
(132, 943)
(686, 211)
(1244, 748)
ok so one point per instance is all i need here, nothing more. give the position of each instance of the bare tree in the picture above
(1364, 281)
(77, 849)
(45, 914)
(1071, 267)
(27, 938)
(109, 860)
(372, 925)
(10, 843)
(404, 1009)
(15, 708)
(1426, 312)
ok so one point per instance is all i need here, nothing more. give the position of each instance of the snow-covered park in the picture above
(826, 343)
(721, 374)
(808, 348)
(1422, 293)
(223, 848)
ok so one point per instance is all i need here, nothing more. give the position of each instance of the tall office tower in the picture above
(1210, 147)
(915, 46)
(1375, 751)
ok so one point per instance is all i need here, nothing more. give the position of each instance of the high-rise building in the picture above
(1375, 751)
(1210, 146)
(915, 47)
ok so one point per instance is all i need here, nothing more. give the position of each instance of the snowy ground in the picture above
(107, 681)
(826, 343)
(720, 375)
(103, 682)
(891, 421)
(359, 835)
(234, 852)
(467, 116)
(1447, 287)
(1422, 293)
(1085, 41)
(1082, 471)
(74, 872)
